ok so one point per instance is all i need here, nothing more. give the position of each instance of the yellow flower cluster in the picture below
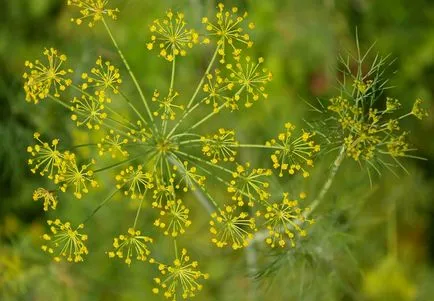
(220, 146)
(92, 11)
(156, 149)
(232, 228)
(249, 184)
(64, 241)
(171, 36)
(131, 245)
(228, 30)
(181, 279)
(283, 220)
(43, 79)
(293, 154)
(50, 199)
(173, 218)
(370, 134)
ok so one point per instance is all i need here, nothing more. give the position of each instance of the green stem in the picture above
(138, 212)
(133, 77)
(328, 183)
(118, 164)
(203, 77)
(110, 196)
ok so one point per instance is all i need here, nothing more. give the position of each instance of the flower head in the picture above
(50, 199)
(173, 218)
(217, 89)
(113, 144)
(103, 77)
(249, 184)
(65, 241)
(220, 146)
(88, 111)
(42, 79)
(92, 11)
(293, 153)
(171, 36)
(228, 30)
(283, 220)
(80, 177)
(131, 245)
(181, 279)
(166, 107)
(135, 181)
(230, 228)
(250, 80)
(46, 158)
(188, 177)
(417, 109)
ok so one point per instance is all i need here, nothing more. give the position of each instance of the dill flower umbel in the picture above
(181, 279)
(45, 157)
(65, 241)
(293, 154)
(172, 36)
(173, 218)
(49, 198)
(92, 11)
(155, 146)
(231, 228)
(42, 79)
(283, 221)
(130, 246)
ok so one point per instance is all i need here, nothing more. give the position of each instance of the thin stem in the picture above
(328, 183)
(203, 77)
(187, 112)
(83, 115)
(119, 163)
(138, 212)
(172, 81)
(108, 198)
(128, 101)
(133, 77)
(214, 112)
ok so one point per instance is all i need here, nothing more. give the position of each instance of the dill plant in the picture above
(165, 151)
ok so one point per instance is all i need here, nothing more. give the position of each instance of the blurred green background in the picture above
(344, 257)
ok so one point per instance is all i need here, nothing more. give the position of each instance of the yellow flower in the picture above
(283, 220)
(88, 111)
(173, 218)
(42, 79)
(131, 245)
(135, 181)
(220, 146)
(80, 177)
(179, 280)
(171, 36)
(293, 154)
(113, 144)
(188, 177)
(46, 158)
(102, 77)
(166, 107)
(418, 111)
(92, 11)
(217, 89)
(50, 199)
(163, 194)
(64, 241)
(249, 185)
(228, 30)
(230, 228)
(250, 80)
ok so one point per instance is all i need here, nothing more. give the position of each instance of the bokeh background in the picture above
(345, 256)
